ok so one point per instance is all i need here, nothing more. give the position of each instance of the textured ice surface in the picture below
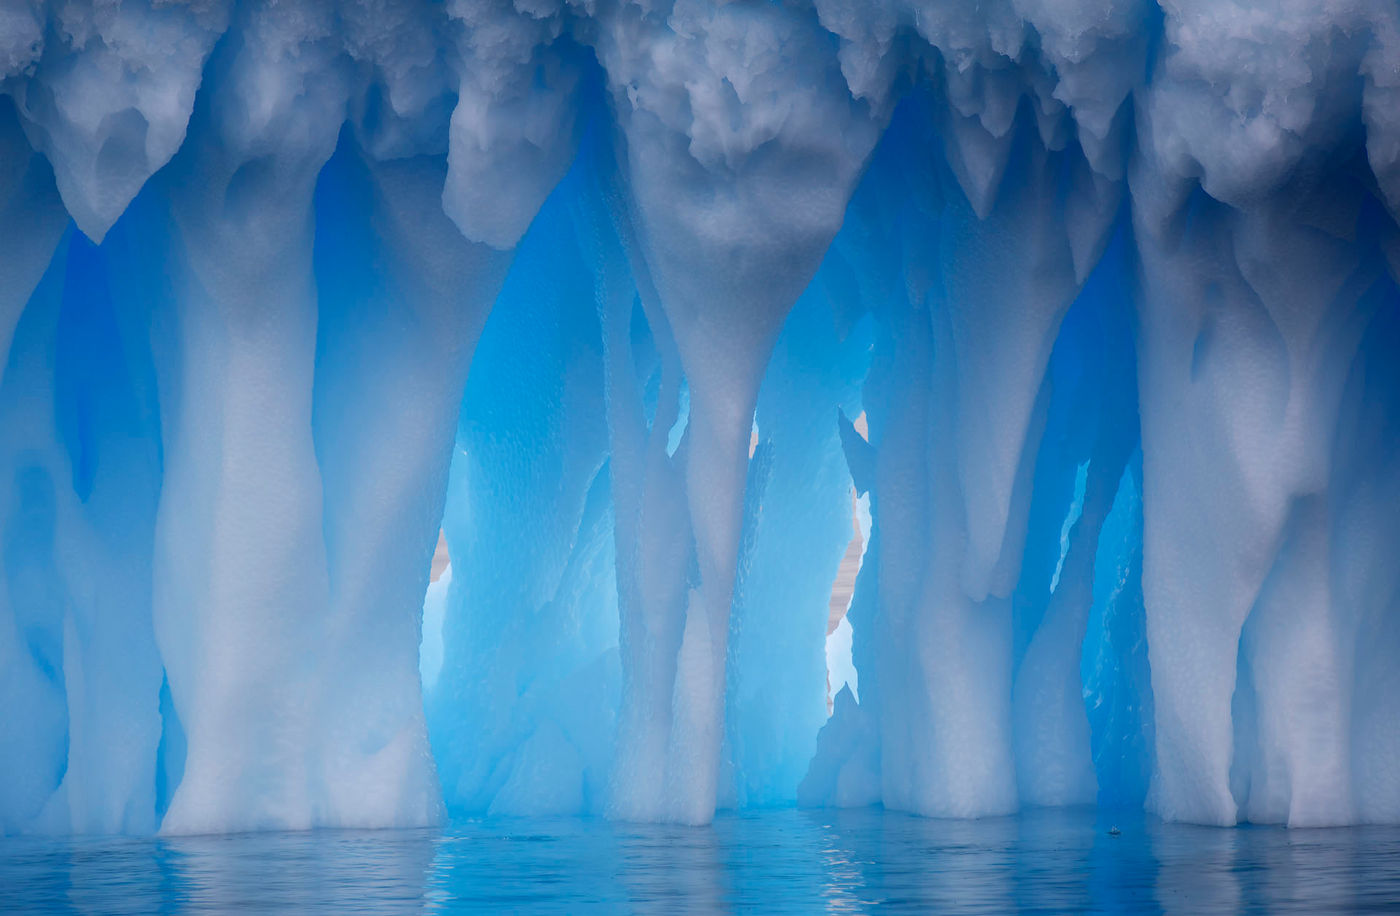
(594, 288)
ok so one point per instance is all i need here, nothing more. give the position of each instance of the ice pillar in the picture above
(240, 578)
(1243, 360)
(733, 209)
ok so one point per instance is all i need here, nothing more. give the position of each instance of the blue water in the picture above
(782, 861)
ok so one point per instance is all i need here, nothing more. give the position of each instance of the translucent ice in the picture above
(1087, 309)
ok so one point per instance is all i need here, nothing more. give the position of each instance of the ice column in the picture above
(403, 299)
(1248, 323)
(647, 446)
(401, 310)
(730, 236)
(1006, 276)
(1090, 432)
(241, 591)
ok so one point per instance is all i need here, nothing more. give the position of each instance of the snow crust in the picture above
(594, 287)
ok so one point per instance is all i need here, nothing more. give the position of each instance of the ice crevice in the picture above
(590, 290)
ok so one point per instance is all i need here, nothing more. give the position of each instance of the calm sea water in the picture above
(779, 861)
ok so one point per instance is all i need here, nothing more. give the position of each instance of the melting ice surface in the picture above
(1033, 361)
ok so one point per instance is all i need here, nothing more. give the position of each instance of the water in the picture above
(780, 861)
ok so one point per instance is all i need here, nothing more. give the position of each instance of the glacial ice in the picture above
(1081, 313)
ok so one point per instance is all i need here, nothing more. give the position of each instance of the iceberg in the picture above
(950, 406)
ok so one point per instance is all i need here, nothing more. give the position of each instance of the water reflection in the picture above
(781, 861)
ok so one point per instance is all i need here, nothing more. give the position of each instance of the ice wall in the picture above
(592, 291)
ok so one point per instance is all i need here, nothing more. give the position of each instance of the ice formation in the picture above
(1066, 327)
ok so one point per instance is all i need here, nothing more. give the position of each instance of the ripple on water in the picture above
(774, 861)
